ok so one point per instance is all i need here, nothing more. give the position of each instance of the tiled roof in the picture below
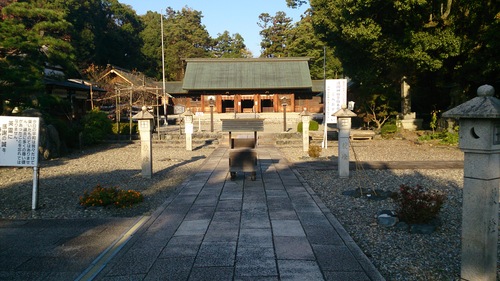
(247, 74)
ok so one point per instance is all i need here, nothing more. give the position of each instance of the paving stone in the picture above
(211, 273)
(257, 237)
(229, 205)
(336, 258)
(182, 246)
(222, 232)
(287, 228)
(256, 262)
(175, 268)
(216, 254)
(194, 227)
(299, 270)
(293, 248)
(322, 235)
(336, 276)
(200, 213)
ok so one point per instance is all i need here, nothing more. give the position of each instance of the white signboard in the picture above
(19, 141)
(335, 97)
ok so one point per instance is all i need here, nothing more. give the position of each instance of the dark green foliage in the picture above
(96, 127)
(418, 204)
(313, 126)
(444, 137)
(125, 128)
(389, 128)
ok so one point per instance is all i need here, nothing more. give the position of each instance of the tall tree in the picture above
(303, 42)
(104, 32)
(449, 43)
(151, 49)
(275, 34)
(185, 37)
(31, 37)
(227, 46)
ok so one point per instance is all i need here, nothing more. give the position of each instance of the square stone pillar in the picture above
(480, 140)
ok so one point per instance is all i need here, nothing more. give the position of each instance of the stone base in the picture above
(411, 124)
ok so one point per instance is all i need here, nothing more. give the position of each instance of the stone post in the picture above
(188, 123)
(479, 121)
(344, 116)
(306, 118)
(145, 124)
(408, 119)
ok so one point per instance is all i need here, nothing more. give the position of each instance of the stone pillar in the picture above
(344, 116)
(145, 124)
(479, 133)
(188, 123)
(306, 118)
(409, 119)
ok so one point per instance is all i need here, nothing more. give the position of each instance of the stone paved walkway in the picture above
(273, 228)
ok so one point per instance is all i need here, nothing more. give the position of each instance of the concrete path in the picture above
(273, 228)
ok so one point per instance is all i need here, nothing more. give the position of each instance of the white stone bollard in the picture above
(145, 120)
(344, 116)
(189, 128)
(306, 118)
(480, 140)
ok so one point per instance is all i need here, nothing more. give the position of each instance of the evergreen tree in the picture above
(32, 36)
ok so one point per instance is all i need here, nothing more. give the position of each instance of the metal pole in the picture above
(211, 117)
(165, 100)
(284, 117)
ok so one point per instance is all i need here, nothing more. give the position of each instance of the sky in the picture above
(235, 16)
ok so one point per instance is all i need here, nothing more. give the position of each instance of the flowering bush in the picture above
(314, 151)
(418, 204)
(104, 196)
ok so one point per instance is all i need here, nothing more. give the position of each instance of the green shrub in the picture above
(389, 128)
(96, 126)
(447, 138)
(418, 204)
(313, 126)
(105, 196)
(124, 128)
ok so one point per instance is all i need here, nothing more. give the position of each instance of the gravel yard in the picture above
(397, 254)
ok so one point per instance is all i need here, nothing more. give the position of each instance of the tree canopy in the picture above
(440, 46)
(32, 36)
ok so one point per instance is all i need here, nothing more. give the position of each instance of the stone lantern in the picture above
(306, 118)
(145, 123)
(479, 133)
(188, 123)
(344, 116)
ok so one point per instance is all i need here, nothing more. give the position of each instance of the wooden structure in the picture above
(228, 86)
(242, 157)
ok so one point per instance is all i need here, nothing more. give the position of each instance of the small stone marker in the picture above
(480, 140)
(188, 123)
(145, 121)
(344, 116)
(306, 118)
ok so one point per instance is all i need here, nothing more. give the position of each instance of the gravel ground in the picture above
(397, 254)
(64, 180)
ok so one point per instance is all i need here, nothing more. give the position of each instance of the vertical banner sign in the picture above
(19, 137)
(335, 97)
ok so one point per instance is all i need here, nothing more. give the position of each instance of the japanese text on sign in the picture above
(335, 97)
(19, 141)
